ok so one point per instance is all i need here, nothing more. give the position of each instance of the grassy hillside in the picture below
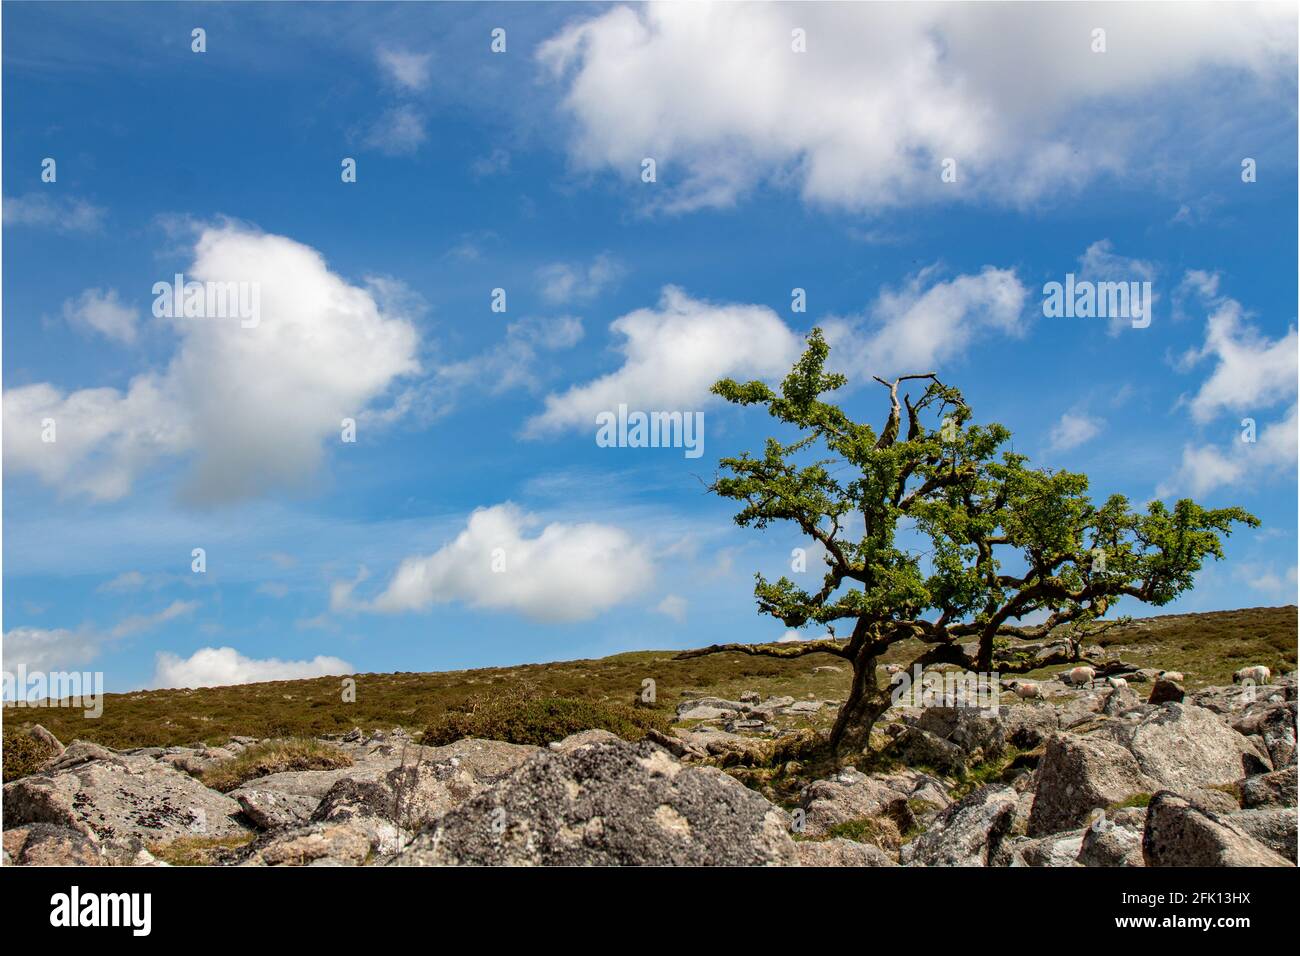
(1207, 647)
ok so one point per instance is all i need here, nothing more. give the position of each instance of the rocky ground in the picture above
(1146, 774)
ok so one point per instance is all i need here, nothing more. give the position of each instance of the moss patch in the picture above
(199, 851)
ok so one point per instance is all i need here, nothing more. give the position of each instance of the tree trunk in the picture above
(865, 703)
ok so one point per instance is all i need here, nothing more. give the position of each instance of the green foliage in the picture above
(530, 719)
(24, 755)
(1003, 540)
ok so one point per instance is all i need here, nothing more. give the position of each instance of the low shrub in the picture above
(274, 756)
(24, 754)
(538, 720)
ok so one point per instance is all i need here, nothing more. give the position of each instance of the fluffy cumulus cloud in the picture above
(926, 322)
(672, 355)
(1250, 375)
(251, 406)
(103, 312)
(506, 559)
(1249, 371)
(1205, 467)
(224, 666)
(47, 649)
(886, 92)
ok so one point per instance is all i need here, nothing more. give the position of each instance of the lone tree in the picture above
(931, 530)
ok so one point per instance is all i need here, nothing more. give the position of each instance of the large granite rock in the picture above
(1180, 834)
(609, 804)
(1076, 776)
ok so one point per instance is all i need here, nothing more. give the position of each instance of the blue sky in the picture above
(521, 170)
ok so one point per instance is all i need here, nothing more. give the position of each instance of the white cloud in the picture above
(252, 406)
(563, 283)
(57, 213)
(672, 356)
(887, 91)
(104, 313)
(40, 649)
(275, 589)
(562, 572)
(925, 323)
(1207, 467)
(1073, 430)
(672, 606)
(410, 71)
(224, 666)
(398, 132)
(1250, 372)
(146, 622)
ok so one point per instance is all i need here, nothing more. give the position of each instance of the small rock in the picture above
(1166, 691)
(1276, 789)
(841, 852)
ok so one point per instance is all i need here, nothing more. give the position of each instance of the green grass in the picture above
(274, 756)
(1207, 647)
(1137, 800)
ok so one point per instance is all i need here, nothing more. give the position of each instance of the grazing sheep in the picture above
(1258, 674)
(1118, 683)
(1027, 690)
(1080, 675)
(1176, 676)
(892, 669)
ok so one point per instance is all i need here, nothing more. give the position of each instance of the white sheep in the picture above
(1176, 676)
(1118, 683)
(1257, 674)
(892, 669)
(1027, 690)
(1080, 675)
